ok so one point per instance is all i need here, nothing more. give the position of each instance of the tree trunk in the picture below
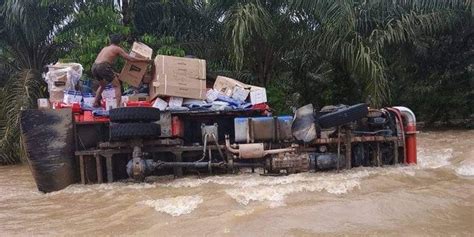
(126, 12)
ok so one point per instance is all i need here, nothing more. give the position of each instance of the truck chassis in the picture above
(91, 150)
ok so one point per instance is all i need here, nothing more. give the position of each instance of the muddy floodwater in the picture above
(436, 197)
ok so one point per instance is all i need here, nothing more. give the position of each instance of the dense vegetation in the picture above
(418, 53)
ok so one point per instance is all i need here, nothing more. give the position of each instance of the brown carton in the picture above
(180, 77)
(133, 72)
(177, 66)
(178, 86)
(225, 85)
(56, 96)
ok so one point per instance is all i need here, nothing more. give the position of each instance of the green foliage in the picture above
(168, 46)
(26, 46)
(416, 53)
(88, 33)
(165, 45)
(21, 92)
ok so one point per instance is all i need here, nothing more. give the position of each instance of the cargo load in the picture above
(239, 91)
(62, 77)
(133, 72)
(179, 77)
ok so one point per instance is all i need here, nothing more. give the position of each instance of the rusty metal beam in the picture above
(158, 142)
(105, 152)
(320, 141)
(395, 152)
(109, 167)
(178, 171)
(82, 171)
(348, 145)
(98, 164)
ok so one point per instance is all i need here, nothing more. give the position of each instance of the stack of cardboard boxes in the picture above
(133, 72)
(61, 79)
(174, 80)
(177, 79)
(240, 91)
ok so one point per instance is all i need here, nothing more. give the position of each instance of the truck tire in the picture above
(134, 114)
(343, 116)
(127, 131)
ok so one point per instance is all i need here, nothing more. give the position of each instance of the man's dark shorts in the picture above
(103, 71)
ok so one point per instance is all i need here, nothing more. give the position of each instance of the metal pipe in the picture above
(278, 151)
(204, 148)
(249, 165)
(410, 132)
(261, 152)
(160, 164)
(229, 147)
(186, 164)
(219, 147)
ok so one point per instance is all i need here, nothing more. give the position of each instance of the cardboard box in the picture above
(71, 97)
(179, 86)
(211, 95)
(240, 93)
(258, 95)
(178, 66)
(108, 92)
(88, 99)
(110, 104)
(138, 97)
(133, 72)
(160, 104)
(225, 85)
(56, 96)
(43, 103)
(175, 102)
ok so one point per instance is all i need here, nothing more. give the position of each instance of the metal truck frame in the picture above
(68, 145)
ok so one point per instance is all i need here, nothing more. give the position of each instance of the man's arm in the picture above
(127, 57)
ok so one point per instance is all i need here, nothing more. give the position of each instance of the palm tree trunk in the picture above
(126, 12)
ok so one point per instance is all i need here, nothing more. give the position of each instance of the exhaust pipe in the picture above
(253, 150)
(410, 132)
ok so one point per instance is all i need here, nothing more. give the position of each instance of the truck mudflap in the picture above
(48, 138)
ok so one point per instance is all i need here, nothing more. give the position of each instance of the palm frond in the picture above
(21, 92)
(246, 21)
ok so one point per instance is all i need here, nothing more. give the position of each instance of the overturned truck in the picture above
(66, 146)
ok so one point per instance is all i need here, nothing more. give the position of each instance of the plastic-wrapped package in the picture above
(63, 76)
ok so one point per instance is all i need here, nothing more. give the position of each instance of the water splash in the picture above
(175, 206)
(79, 188)
(434, 158)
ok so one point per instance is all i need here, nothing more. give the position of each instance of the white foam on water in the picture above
(433, 159)
(465, 169)
(79, 188)
(247, 188)
(275, 195)
(175, 206)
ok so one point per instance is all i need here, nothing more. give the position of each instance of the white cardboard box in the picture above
(108, 93)
(160, 104)
(110, 104)
(240, 93)
(71, 97)
(43, 103)
(88, 100)
(258, 95)
(124, 100)
(211, 95)
(175, 102)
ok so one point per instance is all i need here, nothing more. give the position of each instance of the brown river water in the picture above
(434, 198)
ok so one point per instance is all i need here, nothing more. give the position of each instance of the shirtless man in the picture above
(102, 68)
